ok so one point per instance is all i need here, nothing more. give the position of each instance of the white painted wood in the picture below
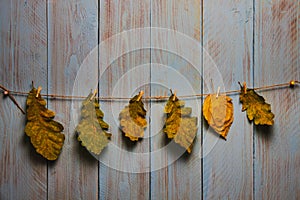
(228, 38)
(175, 175)
(277, 159)
(23, 58)
(72, 35)
(124, 168)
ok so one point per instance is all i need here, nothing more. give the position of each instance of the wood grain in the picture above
(124, 169)
(23, 58)
(175, 174)
(54, 43)
(73, 33)
(227, 165)
(277, 60)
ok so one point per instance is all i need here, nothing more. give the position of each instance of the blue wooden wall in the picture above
(192, 46)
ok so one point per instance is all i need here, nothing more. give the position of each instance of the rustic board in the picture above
(277, 159)
(124, 168)
(152, 45)
(23, 57)
(175, 64)
(228, 37)
(73, 33)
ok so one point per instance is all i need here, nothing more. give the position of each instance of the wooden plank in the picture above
(277, 58)
(23, 58)
(124, 169)
(228, 37)
(73, 33)
(176, 64)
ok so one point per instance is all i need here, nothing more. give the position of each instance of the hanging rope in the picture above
(9, 93)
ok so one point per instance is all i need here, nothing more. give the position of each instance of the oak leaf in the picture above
(45, 133)
(218, 112)
(92, 130)
(178, 124)
(132, 119)
(256, 107)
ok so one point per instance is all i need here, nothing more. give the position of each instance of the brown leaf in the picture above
(218, 112)
(132, 119)
(256, 107)
(45, 133)
(179, 125)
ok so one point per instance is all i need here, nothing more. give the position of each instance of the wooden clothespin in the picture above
(140, 95)
(245, 87)
(94, 94)
(174, 96)
(218, 92)
(38, 91)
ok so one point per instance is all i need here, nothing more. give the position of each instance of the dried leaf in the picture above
(179, 125)
(218, 112)
(132, 119)
(256, 107)
(45, 133)
(92, 130)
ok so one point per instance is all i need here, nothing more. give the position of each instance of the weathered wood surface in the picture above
(72, 34)
(227, 165)
(54, 43)
(175, 65)
(277, 149)
(124, 174)
(23, 57)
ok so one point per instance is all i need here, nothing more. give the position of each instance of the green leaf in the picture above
(92, 130)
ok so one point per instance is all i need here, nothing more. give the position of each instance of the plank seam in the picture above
(150, 149)
(47, 60)
(202, 57)
(98, 43)
(253, 130)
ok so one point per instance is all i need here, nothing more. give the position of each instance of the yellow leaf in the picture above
(179, 125)
(92, 130)
(45, 133)
(256, 107)
(218, 112)
(132, 119)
